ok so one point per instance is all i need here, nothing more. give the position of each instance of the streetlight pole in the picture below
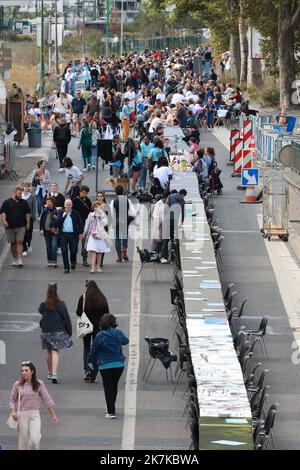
(42, 70)
(83, 28)
(122, 20)
(56, 42)
(107, 28)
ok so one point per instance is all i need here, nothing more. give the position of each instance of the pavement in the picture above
(149, 416)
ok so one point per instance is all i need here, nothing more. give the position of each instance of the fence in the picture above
(153, 43)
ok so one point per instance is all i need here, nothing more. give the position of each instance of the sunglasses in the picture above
(26, 363)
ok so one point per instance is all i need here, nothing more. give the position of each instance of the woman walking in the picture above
(100, 197)
(24, 406)
(50, 232)
(107, 352)
(96, 236)
(56, 329)
(94, 304)
(30, 199)
(41, 183)
(136, 166)
(86, 144)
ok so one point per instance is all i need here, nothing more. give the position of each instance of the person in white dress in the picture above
(96, 236)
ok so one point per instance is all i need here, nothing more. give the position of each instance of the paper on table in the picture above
(213, 310)
(189, 272)
(236, 421)
(229, 443)
(210, 285)
(191, 257)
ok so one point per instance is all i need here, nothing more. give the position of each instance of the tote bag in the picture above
(84, 326)
(11, 422)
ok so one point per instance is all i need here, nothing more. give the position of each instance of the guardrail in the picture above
(8, 168)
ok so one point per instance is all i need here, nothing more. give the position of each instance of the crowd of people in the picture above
(128, 100)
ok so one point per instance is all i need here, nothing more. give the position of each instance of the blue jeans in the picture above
(94, 155)
(210, 119)
(120, 243)
(68, 241)
(51, 246)
(143, 174)
(39, 201)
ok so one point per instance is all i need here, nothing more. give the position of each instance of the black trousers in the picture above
(87, 344)
(62, 150)
(28, 236)
(111, 379)
(68, 241)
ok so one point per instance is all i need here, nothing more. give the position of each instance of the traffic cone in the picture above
(250, 196)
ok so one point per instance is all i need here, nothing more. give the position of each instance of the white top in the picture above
(73, 174)
(177, 98)
(163, 174)
(131, 96)
(161, 96)
(154, 124)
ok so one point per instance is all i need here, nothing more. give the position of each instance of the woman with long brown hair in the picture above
(24, 407)
(56, 329)
(94, 304)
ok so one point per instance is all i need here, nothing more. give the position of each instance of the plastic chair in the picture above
(259, 386)
(159, 349)
(263, 430)
(146, 257)
(257, 404)
(228, 292)
(291, 124)
(260, 333)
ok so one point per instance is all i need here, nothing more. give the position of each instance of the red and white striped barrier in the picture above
(247, 158)
(238, 156)
(247, 133)
(234, 135)
(252, 146)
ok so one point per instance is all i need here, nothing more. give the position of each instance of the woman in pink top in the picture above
(194, 147)
(29, 391)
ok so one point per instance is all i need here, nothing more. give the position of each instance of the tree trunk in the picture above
(235, 56)
(243, 31)
(288, 21)
(254, 75)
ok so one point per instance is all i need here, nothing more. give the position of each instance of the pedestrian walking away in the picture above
(70, 231)
(56, 329)
(62, 138)
(94, 304)
(86, 144)
(16, 219)
(107, 352)
(28, 391)
(83, 206)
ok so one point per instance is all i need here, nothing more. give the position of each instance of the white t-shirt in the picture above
(163, 174)
(73, 174)
(177, 98)
(161, 97)
(131, 96)
(156, 122)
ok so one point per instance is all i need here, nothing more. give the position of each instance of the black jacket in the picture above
(43, 218)
(62, 134)
(76, 219)
(82, 207)
(55, 321)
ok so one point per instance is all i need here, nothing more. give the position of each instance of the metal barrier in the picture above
(9, 161)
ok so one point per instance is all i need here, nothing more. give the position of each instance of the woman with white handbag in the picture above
(24, 404)
(97, 238)
(92, 305)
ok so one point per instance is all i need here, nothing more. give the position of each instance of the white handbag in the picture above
(108, 133)
(84, 326)
(11, 422)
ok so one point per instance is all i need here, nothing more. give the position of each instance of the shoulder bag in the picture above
(84, 326)
(11, 422)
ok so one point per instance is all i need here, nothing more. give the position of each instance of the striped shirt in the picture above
(29, 400)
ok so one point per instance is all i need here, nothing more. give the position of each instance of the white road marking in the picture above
(128, 437)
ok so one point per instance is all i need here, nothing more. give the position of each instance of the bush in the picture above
(270, 96)
(14, 37)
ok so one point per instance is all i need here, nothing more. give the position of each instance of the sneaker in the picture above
(58, 251)
(54, 379)
(25, 253)
(94, 168)
(54, 265)
(84, 169)
(20, 263)
(49, 377)
(29, 249)
(14, 263)
(50, 265)
(87, 377)
(89, 167)
(163, 261)
(109, 416)
(99, 270)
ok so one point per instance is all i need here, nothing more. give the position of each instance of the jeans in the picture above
(39, 201)
(120, 243)
(84, 253)
(68, 241)
(87, 344)
(210, 118)
(28, 236)
(94, 155)
(143, 175)
(87, 159)
(111, 379)
(51, 246)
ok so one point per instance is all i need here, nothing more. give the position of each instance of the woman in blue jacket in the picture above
(107, 353)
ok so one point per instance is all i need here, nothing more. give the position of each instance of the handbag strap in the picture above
(19, 399)
(83, 303)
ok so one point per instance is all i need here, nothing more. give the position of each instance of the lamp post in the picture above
(107, 28)
(56, 42)
(42, 70)
(122, 28)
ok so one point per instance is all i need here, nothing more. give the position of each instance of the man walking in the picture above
(123, 212)
(78, 105)
(16, 219)
(70, 230)
(83, 206)
(62, 137)
(172, 220)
